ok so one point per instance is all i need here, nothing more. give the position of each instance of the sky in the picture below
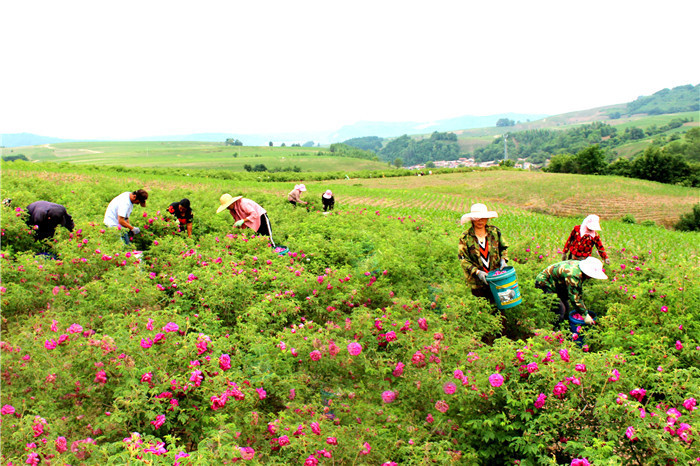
(127, 69)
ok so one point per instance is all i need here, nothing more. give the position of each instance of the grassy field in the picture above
(452, 194)
(205, 155)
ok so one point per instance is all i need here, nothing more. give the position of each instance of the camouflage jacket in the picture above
(468, 253)
(568, 274)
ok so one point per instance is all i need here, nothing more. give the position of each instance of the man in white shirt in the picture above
(119, 210)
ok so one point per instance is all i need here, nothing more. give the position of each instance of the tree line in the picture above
(675, 163)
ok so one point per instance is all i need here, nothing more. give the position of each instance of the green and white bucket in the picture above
(504, 287)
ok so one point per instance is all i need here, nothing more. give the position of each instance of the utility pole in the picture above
(505, 147)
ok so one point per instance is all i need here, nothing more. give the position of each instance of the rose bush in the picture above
(360, 345)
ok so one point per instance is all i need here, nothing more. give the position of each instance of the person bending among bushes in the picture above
(246, 213)
(566, 279)
(183, 212)
(328, 200)
(45, 217)
(582, 239)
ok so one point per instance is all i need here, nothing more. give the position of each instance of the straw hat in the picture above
(226, 200)
(478, 211)
(328, 194)
(593, 268)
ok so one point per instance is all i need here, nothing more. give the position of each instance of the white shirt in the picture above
(121, 206)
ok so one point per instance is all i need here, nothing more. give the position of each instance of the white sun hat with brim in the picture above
(328, 194)
(226, 200)
(593, 268)
(478, 211)
(300, 187)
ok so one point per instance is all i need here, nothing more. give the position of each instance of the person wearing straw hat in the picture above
(328, 200)
(566, 279)
(246, 213)
(294, 196)
(481, 250)
(582, 239)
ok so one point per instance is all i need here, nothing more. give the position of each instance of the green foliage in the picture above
(372, 143)
(658, 165)
(505, 122)
(690, 221)
(439, 146)
(678, 99)
(628, 218)
(591, 161)
(233, 142)
(345, 150)
(12, 158)
(139, 358)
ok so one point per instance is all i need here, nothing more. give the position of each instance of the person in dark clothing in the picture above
(46, 216)
(328, 200)
(183, 212)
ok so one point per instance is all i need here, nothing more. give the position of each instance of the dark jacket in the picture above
(47, 216)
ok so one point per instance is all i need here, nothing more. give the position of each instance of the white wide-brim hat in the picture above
(478, 211)
(226, 200)
(328, 194)
(300, 187)
(593, 268)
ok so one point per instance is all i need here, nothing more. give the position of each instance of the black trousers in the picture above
(265, 229)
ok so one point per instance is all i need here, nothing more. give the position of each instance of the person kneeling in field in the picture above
(246, 213)
(183, 212)
(119, 210)
(45, 217)
(481, 250)
(566, 279)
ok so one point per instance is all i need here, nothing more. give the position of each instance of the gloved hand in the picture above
(607, 261)
(135, 230)
(239, 223)
(482, 276)
(588, 320)
(504, 264)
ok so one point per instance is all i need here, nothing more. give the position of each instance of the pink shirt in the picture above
(245, 208)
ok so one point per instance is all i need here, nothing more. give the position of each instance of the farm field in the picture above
(193, 155)
(362, 345)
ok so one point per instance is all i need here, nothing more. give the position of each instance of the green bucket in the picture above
(504, 287)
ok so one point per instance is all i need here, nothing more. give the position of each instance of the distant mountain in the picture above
(387, 130)
(28, 139)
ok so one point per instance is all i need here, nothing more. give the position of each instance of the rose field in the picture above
(362, 345)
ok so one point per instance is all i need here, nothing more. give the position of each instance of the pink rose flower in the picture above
(564, 354)
(398, 371)
(449, 388)
(442, 406)
(159, 421)
(7, 409)
(225, 362)
(388, 396)
(688, 404)
(559, 390)
(354, 348)
(539, 403)
(496, 380)
(315, 355)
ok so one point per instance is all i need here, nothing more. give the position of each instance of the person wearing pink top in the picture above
(246, 213)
